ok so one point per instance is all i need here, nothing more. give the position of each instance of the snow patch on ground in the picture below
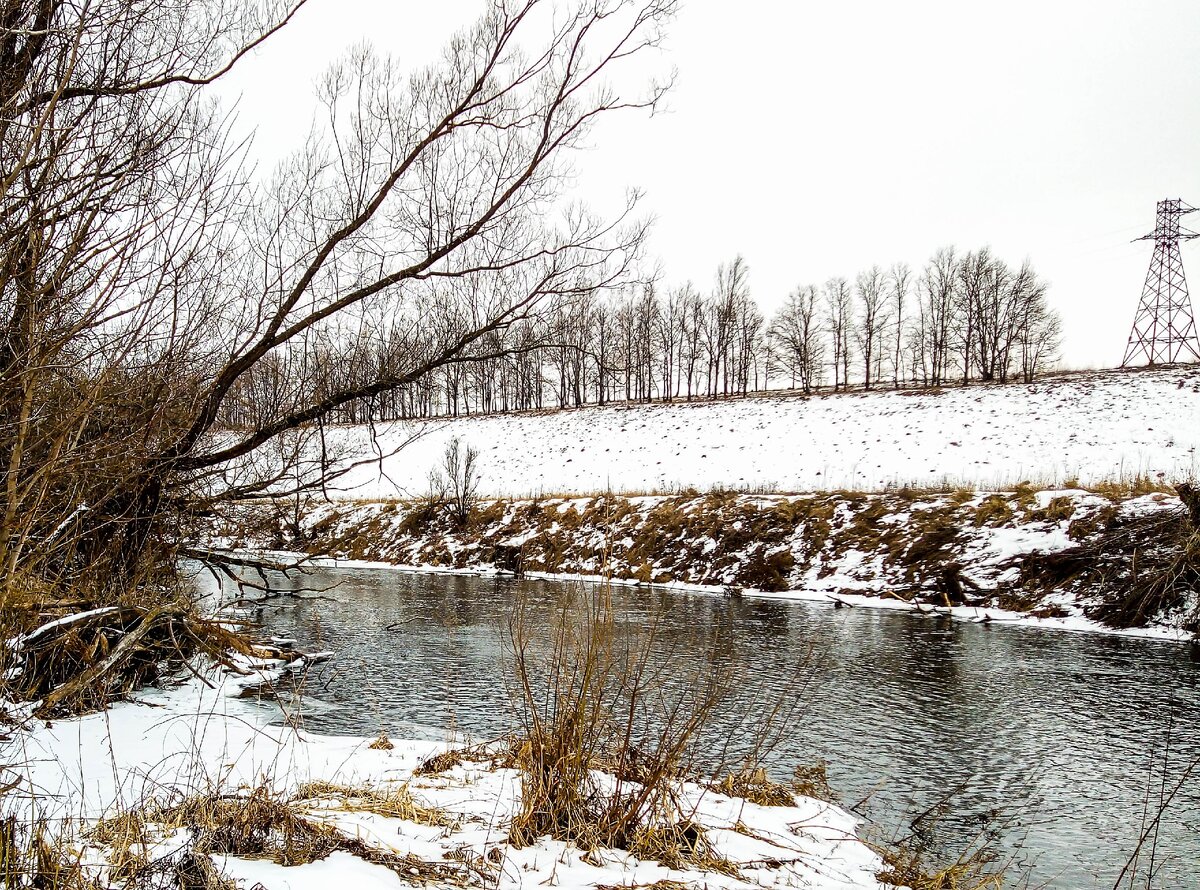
(200, 738)
(1093, 427)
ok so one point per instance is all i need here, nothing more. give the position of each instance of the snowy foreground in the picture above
(1094, 427)
(167, 745)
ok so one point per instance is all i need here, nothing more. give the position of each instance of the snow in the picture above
(198, 738)
(1092, 427)
(17, 643)
(339, 868)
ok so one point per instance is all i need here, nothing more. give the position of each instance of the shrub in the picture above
(588, 702)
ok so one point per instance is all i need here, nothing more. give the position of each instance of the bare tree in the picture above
(871, 322)
(147, 282)
(796, 338)
(1037, 328)
(839, 315)
(460, 481)
(936, 315)
(898, 284)
(971, 283)
(691, 320)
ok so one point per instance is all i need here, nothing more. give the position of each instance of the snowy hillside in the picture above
(1091, 427)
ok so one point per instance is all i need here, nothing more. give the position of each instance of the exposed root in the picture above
(1142, 567)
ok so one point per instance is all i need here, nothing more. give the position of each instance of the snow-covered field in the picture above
(202, 739)
(1104, 426)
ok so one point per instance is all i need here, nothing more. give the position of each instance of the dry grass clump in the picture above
(382, 743)
(260, 824)
(679, 845)
(905, 867)
(593, 701)
(440, 763)
(31, 857)
(1133, 486)
(755, 786)
(395, 803)
(993, 510)
(1059, 509)
(812, 780)
(1093, 522)
(657, 885)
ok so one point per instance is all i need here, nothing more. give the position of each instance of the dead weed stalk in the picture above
(597, 700)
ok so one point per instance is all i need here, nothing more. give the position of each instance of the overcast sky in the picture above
(819, 138)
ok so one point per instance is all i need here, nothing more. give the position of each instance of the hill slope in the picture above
(1095, 427)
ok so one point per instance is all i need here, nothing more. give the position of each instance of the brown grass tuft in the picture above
(906, 868)
(439, 763)
(679, 845)
(262, 825)
(754, 786)
(812, 780)
(382, 743)
(394, 803)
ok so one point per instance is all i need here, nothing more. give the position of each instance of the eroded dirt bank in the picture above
(1127, 561)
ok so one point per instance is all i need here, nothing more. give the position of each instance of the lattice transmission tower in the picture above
(1164, 329)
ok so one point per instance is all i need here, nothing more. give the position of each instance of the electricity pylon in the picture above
(1164, 329)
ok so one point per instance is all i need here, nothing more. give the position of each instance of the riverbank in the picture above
(973, 555)
(196, 780)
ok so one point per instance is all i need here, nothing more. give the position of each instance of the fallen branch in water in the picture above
(81, 661)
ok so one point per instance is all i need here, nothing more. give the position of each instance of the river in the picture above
(1053, 743)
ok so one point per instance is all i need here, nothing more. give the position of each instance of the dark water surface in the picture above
(1062, 737)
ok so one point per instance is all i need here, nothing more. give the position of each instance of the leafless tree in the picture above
(976, 270)
(691, 319)
(839, 315)
(148, 282)
(1038, 328)
(460, 480)
(936, 315)
(796, 338)
(871, 321)
(898, 284)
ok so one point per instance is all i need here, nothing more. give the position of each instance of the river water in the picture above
(1053, 744)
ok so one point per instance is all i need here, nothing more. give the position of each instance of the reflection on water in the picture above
(1060, 734)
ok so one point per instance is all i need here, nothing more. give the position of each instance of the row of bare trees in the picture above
(962, 318)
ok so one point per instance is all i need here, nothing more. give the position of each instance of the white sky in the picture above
(819, 138)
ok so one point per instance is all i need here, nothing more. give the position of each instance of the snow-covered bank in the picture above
(1092, 427)
(964, 553)
(201, 739)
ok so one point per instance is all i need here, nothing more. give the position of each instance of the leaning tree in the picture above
(151, 282)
